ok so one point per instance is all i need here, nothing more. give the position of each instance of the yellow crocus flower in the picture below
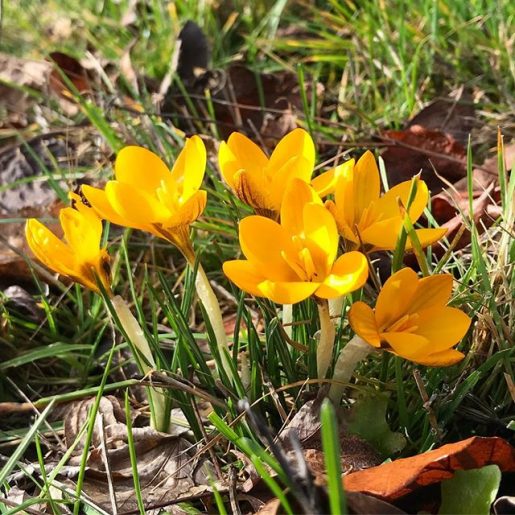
(297, 258)
(411, 319)
(260, 181)
(364, 216)
(79, 257)
(146, 195)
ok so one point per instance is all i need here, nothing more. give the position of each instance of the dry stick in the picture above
(169, 382)
(6, 408)
(427, 403)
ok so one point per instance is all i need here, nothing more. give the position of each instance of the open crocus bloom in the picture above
(79, 257)
(411, 319)
(290, 261)
(259, 181)
(146, 195)
(364, 216)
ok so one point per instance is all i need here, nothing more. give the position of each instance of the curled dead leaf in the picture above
(168, 468)
(393, 480)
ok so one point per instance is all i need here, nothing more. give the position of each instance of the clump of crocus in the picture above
(288, 262)
(411, 319)
(147, 195)
(260, 181)
(364, 217)
(79, 255)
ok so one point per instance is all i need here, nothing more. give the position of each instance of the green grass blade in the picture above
(332, 453)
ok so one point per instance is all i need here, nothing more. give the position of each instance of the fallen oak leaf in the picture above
(419, 149)
(393, 480)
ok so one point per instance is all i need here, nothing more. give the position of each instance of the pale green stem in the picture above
(326, 341)
(354, 352)
(145, 361)
(212, 307)
(336, 306)
(288, 319)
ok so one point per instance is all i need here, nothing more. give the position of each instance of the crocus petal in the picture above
(388, 205)
(298, 193)
(253, 190)
(442, 326)
(408, 345)
(244, 275)
(341, 223)
(240, 153)
(189, 168)
(395, 297)
(228, 164)
(97, 198)
(296, 143)
(445, 358)
(263, 242)
(432, 291)
(287, 292)
(48, 248)
(136, 207)
(344, 194)
(321, 235)
(427, 237)
(189, 211)
(366, 185)
(82, 232)
(325, 183)
(363, 323)
(140, 168)
(295, 168)
(349, 273)
(382, 235)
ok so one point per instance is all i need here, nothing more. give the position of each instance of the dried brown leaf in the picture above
(167, 466)
(391, 481)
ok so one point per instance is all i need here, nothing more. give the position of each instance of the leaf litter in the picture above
(169, 468)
